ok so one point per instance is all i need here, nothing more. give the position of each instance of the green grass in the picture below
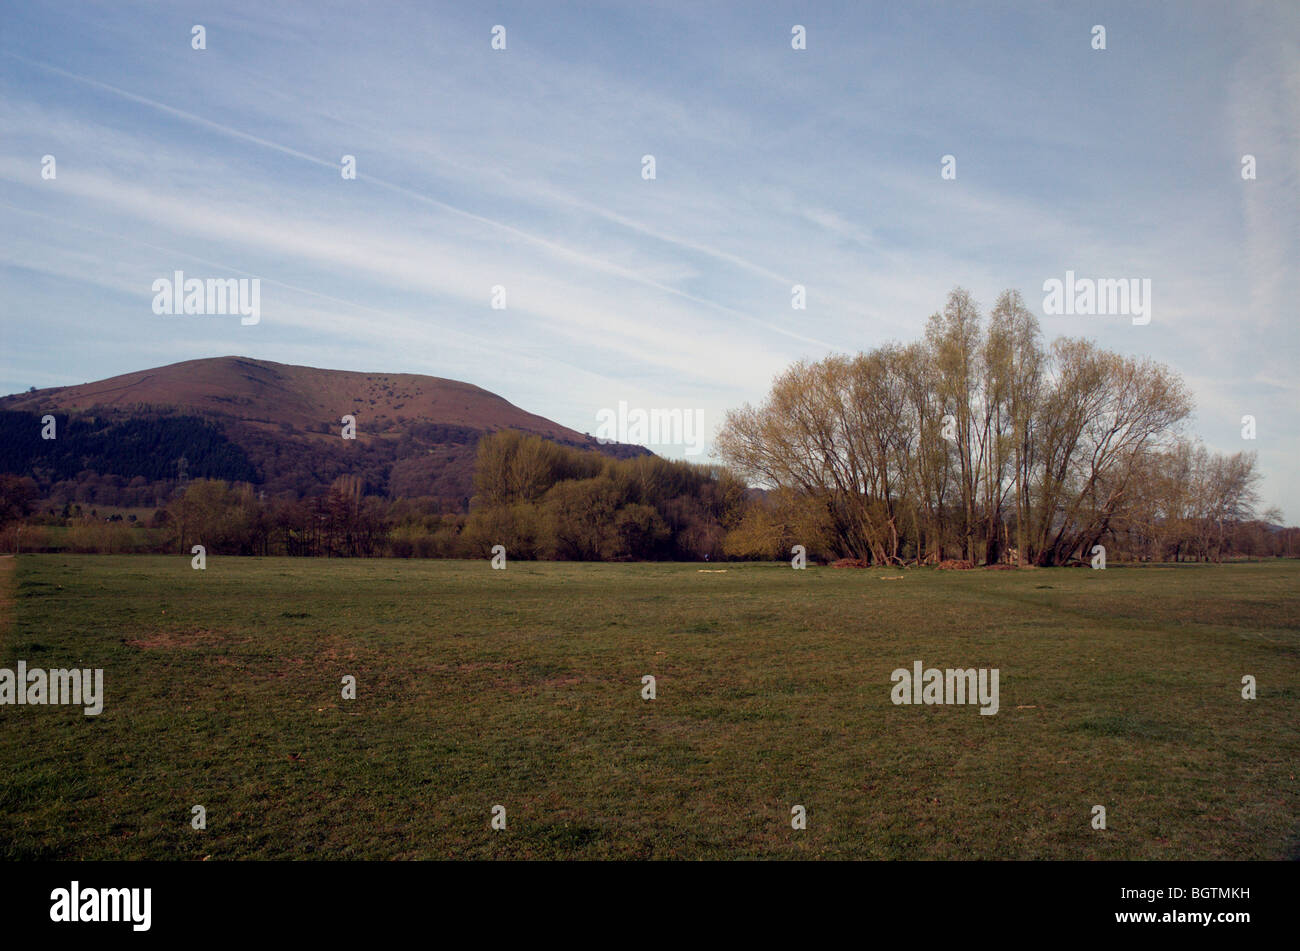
(522, 687)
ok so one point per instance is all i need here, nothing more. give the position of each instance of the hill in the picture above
(276, 425)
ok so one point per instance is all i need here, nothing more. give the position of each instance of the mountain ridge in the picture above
(414, 434)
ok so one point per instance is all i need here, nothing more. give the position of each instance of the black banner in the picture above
(951, 901)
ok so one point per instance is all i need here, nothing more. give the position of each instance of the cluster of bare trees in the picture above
(982, 443)
(1192, 504)
(543, 500)
(537, 498)
(233, 519)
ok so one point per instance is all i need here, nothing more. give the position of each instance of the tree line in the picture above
(539, 499)
(978, 443)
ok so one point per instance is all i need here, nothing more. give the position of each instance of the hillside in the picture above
(274, 424)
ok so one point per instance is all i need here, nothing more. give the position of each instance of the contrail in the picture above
(551, 246)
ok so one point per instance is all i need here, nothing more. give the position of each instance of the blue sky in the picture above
(775, 167)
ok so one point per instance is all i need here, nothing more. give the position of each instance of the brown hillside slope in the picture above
(259, 391)
(415, 435)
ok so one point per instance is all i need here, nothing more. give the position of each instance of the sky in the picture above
(522, 168)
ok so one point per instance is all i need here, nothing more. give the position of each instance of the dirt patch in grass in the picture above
(174, 640)
(564, 680)
(477, 665)
(515, 677)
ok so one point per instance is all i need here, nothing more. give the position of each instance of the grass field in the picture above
(523, 688)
